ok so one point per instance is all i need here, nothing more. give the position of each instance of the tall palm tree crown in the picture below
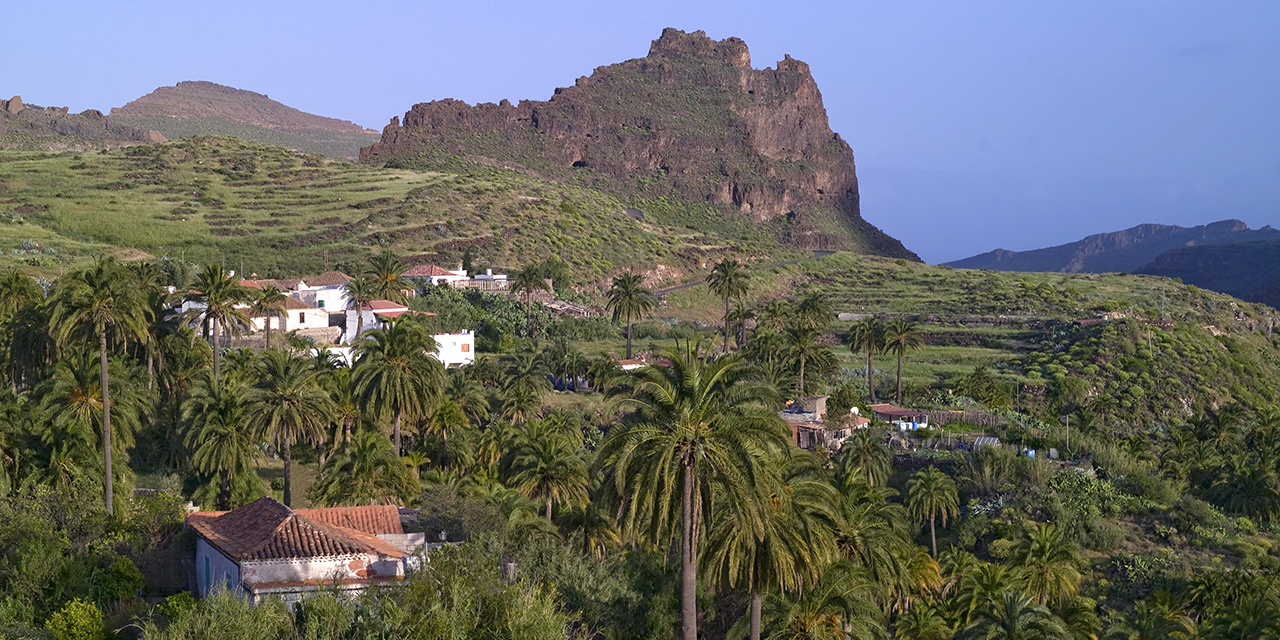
(525, 282)
(287, 405)
(359, 292)
(867, 336)
(901, 336)
(223, 444)
(698, 425)
(729, 281)
(394, 373)
(931, 495)
(629, 300)
(267, 304)
(222, 300)
(386, 273)
(548, 467)
(101, 303)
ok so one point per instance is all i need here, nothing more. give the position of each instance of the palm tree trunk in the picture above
(397, 431)
(288, 487)
(359, 323)
(871, 385)
(151, 369)
(106, 421)
(268, 319)
(726, 324)
(444, 448)
(548, 506)
(756, 601)
(801, 377)
(688, 562)
(528, 313)
(217, 355)
(899, 377)
(933, 537)
(628, 335)
(224, 492)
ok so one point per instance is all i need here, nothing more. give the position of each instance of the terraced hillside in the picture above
(1164, 351)
(279, 212)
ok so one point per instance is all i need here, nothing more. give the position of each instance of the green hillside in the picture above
(281, 212)
(333, 144)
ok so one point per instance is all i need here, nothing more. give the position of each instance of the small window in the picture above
(466, 348)
(302, 319)
(319, 303)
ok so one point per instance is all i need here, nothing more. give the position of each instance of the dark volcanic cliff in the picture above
(1121, 251)
(692, 120)
(26, 126)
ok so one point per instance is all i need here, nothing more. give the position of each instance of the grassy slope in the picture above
(1021, 323)
(283, 212)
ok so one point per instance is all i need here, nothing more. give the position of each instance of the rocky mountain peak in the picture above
(692, 120)
(675, 44)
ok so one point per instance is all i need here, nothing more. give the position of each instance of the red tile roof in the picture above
(890, 410)
(427, 271)
(268, 530)
(375, 519)
(329, 279)
(384, 305)
(294, 303)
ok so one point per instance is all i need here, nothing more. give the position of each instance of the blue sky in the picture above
(975, 125)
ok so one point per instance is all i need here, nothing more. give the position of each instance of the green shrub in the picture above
(76, 620)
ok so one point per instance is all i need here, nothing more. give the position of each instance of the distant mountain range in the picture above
(205, 108)
(1224, 256)
(30, 127)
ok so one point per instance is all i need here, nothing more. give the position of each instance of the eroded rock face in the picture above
(692, 119)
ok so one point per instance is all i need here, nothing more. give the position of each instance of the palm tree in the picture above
(525, 282)
(1050, 564)
(101, 302)
(863, 455)
(814, 311)
(16, 293)
(365, 471)
(629, 299)
(445, 419)
(359, 292)
(287, 405)
(901, 336)
(386, 274)
(520, 404)
(797, 541)
(394, 372)
(222, 443)
(840, 607)
(922, 622)
(982, 588)
(739, 317)
(469, 395)
(729, 281)
(221, 298)
(867, 336)
(931, 494)
(804, 346)
(1015, 617)
(550, 468)
(698, 425)
(267, 304)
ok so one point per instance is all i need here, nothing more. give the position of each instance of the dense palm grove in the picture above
(665, 502)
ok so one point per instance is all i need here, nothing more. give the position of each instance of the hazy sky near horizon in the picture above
(975, 125)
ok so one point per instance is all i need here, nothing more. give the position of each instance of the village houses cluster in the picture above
(318, 308)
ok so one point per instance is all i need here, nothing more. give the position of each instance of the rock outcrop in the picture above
(693, 120)
(27, 126)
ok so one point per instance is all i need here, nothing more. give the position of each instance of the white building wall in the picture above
(456, 349)
(331, 299)
(214, 570)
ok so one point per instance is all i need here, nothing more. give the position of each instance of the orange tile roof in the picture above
(294, 303)
(375, 519)
(329, 279)
(427, 271)
(268, 530)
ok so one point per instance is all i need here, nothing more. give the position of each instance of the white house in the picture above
(901, 419)
(374, 315)
(456, 349)
(267, 549)
(324, 291)
(437, 275)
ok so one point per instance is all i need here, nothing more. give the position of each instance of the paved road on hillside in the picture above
(816, 254)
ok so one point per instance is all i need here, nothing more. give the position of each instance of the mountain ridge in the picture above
(1127, 250)
(198, 107)
(691, 120)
